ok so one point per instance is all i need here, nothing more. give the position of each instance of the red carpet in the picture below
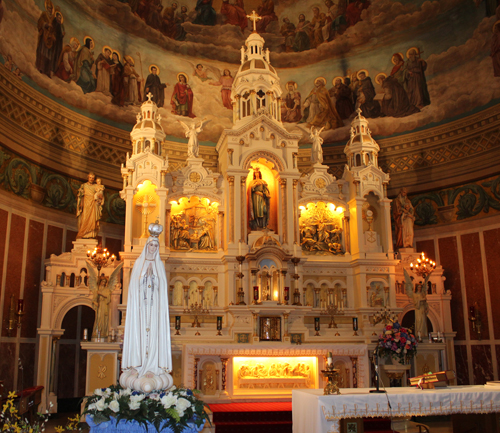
(272, 417)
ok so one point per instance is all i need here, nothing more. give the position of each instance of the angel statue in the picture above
(192, 132)
(317, 141)
(147, 353)
(419, 298)
(101, 289)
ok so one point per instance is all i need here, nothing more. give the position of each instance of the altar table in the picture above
(314, 412)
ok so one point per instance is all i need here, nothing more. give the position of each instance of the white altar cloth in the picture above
(314, 412)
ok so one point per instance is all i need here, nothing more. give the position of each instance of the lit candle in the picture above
(20, 305)
(239, 248)
(419, 336)
(336, 299)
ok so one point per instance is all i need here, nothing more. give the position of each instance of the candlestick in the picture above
(85, 334)
(20, 305)
(239, 248)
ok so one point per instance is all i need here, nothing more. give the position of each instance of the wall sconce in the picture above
(177, 325)
(475, 318)
(316, 326)
(355, 325)
(219, 325)
(12, 322)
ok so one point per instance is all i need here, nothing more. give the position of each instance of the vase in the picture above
(125, 426)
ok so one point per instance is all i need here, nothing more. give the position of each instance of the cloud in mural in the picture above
(453, 75)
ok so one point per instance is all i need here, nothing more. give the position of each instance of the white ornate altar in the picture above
(315, 412)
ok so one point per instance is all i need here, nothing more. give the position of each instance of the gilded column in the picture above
(221, 229)
(255, 324)
(354, 361)
(243, 234)
(295, 218)
(196, 360)
(167, 229)
(347, 235)
(283, 209)
(224, 373)
(230, 180)
(285, 324)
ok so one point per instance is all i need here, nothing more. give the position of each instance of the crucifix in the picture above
(254, 17)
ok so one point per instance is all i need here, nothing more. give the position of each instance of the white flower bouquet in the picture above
(172, 409)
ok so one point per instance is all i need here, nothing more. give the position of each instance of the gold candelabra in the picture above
(333, 310)
(100, 258)
(196, 310)
(332, 375)
(384, 315)
(424, 267)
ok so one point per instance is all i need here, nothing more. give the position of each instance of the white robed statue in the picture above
(147, 355)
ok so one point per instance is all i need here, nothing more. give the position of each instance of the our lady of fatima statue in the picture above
(147, 355)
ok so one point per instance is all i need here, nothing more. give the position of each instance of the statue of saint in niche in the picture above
(259, 202)
(89, 208)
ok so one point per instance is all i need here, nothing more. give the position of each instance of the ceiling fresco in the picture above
(406, 64)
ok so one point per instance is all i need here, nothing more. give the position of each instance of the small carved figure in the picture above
(101, 290)
(192, 132)
(317, 141)
(419, 298)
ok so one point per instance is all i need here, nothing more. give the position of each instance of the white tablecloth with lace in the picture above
(314, 412)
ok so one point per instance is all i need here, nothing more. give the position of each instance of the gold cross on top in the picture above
(254, 17)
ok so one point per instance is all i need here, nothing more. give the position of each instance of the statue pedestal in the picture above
(102, 365)
(372, 242)
(84, 245)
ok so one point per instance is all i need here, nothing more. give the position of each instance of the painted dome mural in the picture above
(407, 64)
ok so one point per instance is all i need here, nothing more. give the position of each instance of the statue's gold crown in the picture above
(155, 229)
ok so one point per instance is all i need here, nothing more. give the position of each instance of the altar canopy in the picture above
(315, 412)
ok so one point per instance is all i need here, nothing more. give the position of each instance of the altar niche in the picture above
(146, 209)
(262, 197)
(193, 224)
(321, 229)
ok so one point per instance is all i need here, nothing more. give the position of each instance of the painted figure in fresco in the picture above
(235, 13)
(301, 41)
(83, 74)
(155, 86)
(317, 141)
(327, 116)
(353, 11)
(67, 60)
(417, 84)
(226, 81)
(46, 40)
(206, 13)
(101, 290)
(366, 93)
(288, 32)
(191, 132)
(343, 98)
(395, 102)
(87, 209)
(117, 86)
(267, 14)
(399, 71)
(182, 97)
(172, 20)
(104, 69)
(154, 16)
(147, 345)
(495, 49)
(260, 198)
(131, 82)
(290, 110)
(201, 72)
(403, 212)
(59, 32)
(419, 297)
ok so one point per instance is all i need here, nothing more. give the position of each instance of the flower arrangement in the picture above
(172, 409)
(397, 342)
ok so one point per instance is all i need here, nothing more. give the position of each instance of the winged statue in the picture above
(101, 288)
(418, 295)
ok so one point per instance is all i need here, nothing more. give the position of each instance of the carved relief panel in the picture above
(321, 228)
(193, 225)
